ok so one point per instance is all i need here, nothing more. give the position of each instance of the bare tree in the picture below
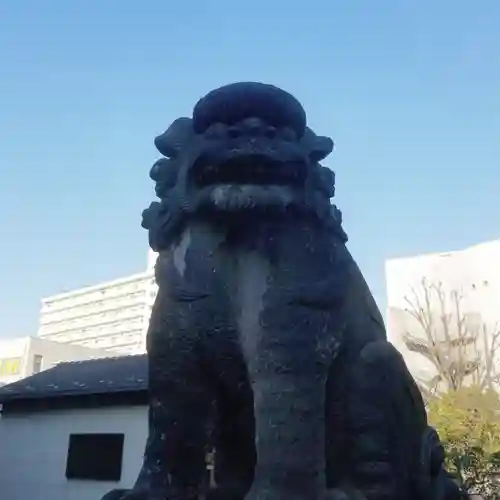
(459, 345)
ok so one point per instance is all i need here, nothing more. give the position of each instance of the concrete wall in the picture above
(13, 351)
(34, 446)
(474, 273)
(25, 349)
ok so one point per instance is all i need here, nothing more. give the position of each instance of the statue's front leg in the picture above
(234, 436)
(288, 378)
(179, 405)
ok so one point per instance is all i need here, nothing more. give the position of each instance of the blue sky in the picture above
(409, 90)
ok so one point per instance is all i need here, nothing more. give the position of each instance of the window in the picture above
(37, 363)
(95, 456)
(10, 366)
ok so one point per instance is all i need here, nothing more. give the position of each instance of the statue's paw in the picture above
(122, 494)
(342, 494)
(116, 495)
(224, 493)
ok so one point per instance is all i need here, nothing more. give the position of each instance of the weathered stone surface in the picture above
(263, 314)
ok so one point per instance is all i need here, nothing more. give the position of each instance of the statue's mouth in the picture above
(249, 169)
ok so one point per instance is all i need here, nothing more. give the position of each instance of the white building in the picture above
(152, 256)
(473, 273)
(74, 432)
(22, 357)
(113, 315)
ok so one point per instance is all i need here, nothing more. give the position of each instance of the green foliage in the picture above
(468, 422)
(462, 392)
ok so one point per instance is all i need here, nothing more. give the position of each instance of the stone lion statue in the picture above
(264, 328)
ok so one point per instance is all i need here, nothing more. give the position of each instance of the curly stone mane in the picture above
(226, 126)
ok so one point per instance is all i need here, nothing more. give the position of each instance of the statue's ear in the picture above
(164, 171)
(150, 215)
(173, 140)
(321, 148)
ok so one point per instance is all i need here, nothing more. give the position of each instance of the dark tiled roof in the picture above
(96, 376)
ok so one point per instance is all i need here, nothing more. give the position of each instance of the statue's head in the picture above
(246, 151)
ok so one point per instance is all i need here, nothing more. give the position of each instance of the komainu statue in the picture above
(264, 328)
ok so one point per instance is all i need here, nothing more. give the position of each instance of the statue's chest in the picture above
(275, 306)
(245, 289)
(250, 286)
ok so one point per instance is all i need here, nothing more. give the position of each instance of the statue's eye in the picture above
(233, 132)
(287, 134)
(270, 132)
(216, 131)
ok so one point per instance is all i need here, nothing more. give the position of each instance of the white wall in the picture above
(55, 352)
(473, 272)
(34, 446)
(52, 353)
(403, 278)
(14, 349)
